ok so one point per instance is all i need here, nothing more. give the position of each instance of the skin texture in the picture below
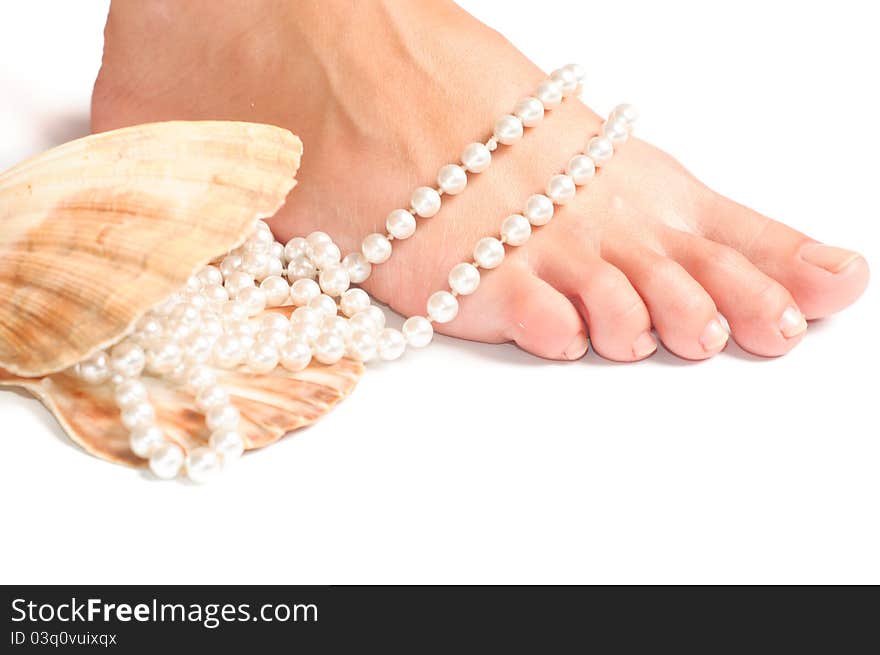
(644, 245)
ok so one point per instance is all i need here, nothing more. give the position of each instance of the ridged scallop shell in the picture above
(95, 232)
(271, 405)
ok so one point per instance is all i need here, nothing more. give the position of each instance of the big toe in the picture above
(822, 279)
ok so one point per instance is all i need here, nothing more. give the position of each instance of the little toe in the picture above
(618, 321)
(764, 318)
(536, 316)
(822, 279)
(682, 312)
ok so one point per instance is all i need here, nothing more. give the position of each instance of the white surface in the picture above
(502, 467)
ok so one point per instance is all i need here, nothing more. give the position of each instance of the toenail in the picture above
(644, 345)
(792, 323)
(577, 348)
(830, 258)
(714, 336)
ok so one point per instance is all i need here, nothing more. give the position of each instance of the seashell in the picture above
(98, 231)
(95, 232)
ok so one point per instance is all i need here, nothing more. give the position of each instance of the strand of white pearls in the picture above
(219, 320)
(516, 229)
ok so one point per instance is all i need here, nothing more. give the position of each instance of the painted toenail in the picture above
(792, 323)
(577, 348)
(830, 258)
(714, 336)
(644, 345)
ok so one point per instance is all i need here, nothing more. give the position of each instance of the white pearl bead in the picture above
(228, 444)
(530, 111)
(442, 307)
(274, 338)
(306, 332)
(211, 396)
(255, 264)
(138, 415)
(222, 417)
(425, 201)
(358, 267)
(549, 93)
(164, 358)
(130, 392)
(127, 359)
(489, 252)
(228, 351)
(230, 264)
(516, 229)
(145, 440)
(560, 189)
(577, 70)
(452, 178)
(464, 278)
(202, 465)
(354, 301)
(628, 113)
(324, 304)
(210, 275)
(539, 210)
(95, 369)
(166, 460)
(215, 294)
(508, 129)
(566, 78)
(376, 248)
(362, 344)
(253, 299)
(418, 331)
(238, 281)
(366, 320)
(276, 251)
(580, 168)
(200, 377)
(262, 358)
(272, 321)
(476, 158)
(296, 247)
(276, 289)
(300, 268)
(400, 224)
(307, 316)
(233, 312)
(295, 355)
(198, 348)
(317, 238)
(600, 149)
(377, 315)
(325, 255)
(329, 348)
(337, 325)
(390, 344)
(302, 292)
(334, 279)
(616, 130)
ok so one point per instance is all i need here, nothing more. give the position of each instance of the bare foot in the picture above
(384, 93)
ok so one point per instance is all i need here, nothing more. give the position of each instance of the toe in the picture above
(533, 314)
(682, 312)
(822, 279)
(618, 321)
(764, 318)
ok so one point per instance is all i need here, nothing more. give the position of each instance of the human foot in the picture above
(379, 111)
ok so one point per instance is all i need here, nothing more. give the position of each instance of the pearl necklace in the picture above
(214, 320)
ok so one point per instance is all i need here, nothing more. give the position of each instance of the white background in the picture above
(474, 463)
